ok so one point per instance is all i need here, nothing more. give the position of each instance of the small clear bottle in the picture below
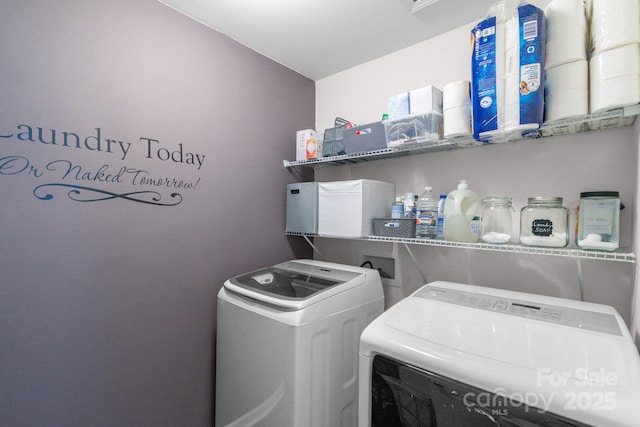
(440, 228)
(496, 223)
(397, 208)
(544, 222)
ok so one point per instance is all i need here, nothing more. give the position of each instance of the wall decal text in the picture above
(88, 184)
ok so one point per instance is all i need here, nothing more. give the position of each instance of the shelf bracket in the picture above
(312, 245)
(415, 262)
(580, 282)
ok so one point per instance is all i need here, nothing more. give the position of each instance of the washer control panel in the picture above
(568, 316)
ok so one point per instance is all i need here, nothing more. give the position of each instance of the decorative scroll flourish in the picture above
(78, 194)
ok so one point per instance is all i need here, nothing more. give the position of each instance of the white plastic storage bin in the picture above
(347, 208)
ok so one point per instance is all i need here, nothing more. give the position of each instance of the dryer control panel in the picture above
(563, 315)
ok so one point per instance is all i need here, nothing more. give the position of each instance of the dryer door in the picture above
(403, 396)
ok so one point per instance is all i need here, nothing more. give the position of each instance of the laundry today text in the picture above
(153, 148)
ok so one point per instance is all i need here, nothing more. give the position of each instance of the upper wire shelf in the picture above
(612, 119)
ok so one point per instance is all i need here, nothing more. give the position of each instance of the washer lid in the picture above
(291, 285)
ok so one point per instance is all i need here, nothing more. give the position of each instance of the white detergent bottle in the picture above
(460, 207)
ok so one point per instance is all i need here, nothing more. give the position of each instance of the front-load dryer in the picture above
(287, 344)
(461, 355)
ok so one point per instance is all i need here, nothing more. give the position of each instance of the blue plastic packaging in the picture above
(507, 79)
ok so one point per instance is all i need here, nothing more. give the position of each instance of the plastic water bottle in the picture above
(409, 206)
(440, 229)
(460, 209)
(427, 215)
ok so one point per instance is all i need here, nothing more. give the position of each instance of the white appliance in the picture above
(287, 344)
(461, 355)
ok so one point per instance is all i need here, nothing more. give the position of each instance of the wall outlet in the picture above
(385, 264)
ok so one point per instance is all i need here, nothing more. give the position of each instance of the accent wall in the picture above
(140, 166)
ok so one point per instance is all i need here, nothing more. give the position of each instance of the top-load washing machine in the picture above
(287, 344)
(462, 355)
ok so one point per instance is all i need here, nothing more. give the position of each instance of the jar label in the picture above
(597, 216)
(542, 227)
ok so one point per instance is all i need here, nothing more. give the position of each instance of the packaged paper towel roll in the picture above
(615, 78)
(566, 32)
(507, 86)
(566, 91)
(457, 122)
(614, 23)
(456, 94)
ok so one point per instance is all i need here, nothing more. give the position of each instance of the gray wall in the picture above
(110, 262)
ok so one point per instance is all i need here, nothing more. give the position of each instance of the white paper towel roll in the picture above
(457, 122)
(614, 23)
(615, 78)
(566, 32)
(456, 94)
(567, 91)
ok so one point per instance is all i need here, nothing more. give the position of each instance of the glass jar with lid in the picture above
(496, 224)
(599, 220)
(544, 222)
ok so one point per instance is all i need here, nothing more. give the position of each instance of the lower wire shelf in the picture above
(570, 252)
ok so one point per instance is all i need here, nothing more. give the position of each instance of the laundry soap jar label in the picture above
(542, 227)
(544, 222)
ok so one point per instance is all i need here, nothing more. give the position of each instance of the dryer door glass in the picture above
(406, 396)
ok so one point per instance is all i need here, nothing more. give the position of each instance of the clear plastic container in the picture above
(496, 223)
(599, 220)
(544, 222)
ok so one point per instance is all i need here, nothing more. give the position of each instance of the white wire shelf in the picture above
(613, 119)
(569, 252)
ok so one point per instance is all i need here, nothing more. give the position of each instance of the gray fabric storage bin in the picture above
(302, 208)
(392, 227)
(365, 138)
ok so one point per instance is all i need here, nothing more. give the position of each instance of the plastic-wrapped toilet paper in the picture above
(614, 23)
(567, 91)
(507, 83)
(566, 32)
(522, 77)
(615, 78)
